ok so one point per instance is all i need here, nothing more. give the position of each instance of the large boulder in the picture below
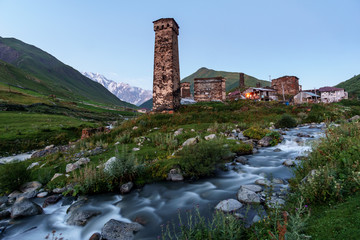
(354, 118)
(23, 207)
(241, 159)
(252, 187)
(126, 188)
(80, 217)
(95, 236)
(76, 206)
(108, 164)
(229, 205)
(210, 137)
(263, 182)
(116, 230)
(175, 175)
(265, 141)
(30, 186)
(245, 195)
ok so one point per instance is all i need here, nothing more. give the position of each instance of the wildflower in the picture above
(306, 206)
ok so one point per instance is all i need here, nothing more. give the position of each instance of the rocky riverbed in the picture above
(247, 181)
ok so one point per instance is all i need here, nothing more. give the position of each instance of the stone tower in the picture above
(166, 83)
(241, 80)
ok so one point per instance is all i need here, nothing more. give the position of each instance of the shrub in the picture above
(242, 149)
(255, 133)
(200, 159)
(286, 121)
(91, 180)
(276, 138)
(12, 176)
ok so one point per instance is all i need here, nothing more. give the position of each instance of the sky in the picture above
(315, 40)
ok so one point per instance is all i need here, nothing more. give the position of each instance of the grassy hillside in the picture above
(44, 73)
(232, 78)
(232, 81)
(352, 86)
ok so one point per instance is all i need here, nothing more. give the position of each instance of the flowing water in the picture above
(159, 203)
(18, 157)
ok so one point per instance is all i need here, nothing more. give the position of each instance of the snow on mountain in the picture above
(123, 91)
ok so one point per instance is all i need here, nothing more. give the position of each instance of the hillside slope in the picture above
(50, 76)
(232, 81)
(352, 86)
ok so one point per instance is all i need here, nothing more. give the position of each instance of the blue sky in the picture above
(316, 40)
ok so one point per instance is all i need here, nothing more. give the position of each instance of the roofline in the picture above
(177, 25)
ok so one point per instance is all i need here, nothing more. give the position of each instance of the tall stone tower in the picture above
(166, 83)
(241, 80)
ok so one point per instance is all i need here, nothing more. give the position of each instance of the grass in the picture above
(336, 221)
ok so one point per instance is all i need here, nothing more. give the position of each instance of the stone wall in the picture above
(209, 89)
(289, 83)
(166, 81)
(185, 90)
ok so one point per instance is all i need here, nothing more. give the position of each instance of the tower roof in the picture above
(166, 20)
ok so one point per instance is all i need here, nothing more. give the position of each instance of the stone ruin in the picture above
(185, 90)
(290, 84)
(166, 81)
(209, 89)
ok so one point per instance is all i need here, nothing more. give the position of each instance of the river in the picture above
(159, 203)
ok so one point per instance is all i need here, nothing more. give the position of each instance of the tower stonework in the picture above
(241, 80)
(166, 82)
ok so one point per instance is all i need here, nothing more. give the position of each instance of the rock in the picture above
(299, 141)
(95, 236)
(190, 141)
(135, 127)
(49, 147)
(56, 175)
(71, 167)
(30, 186)
(5, 214)
(23, 207)
(354, 118)
(289, 163)
(255, 150)
(263, 175)
(263, 182)
(59, 190)
(3, 199)
(29, 195)
(76, 206)
(175, 175)
(80, 217)
(51, 200)
(135, 149)
(83, 161)
(210, 137)
(310, 175)
(14, 195)
(178, 132)
(116, 230)
(231, 138)
(244, 195)
(277, 150)
(126, 188)
(109, 163)
(303, 135)
(265, 141)
(68, 200)
(256, 219)
(34, 164)
(278, 181)
(275, 202)
(229, 205)
(252, 187)
(42, 194)
(192, 130)
(241, 159)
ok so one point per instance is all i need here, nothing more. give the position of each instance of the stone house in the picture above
(288, 85)
(306, 97)
(332, 94)
(209, 89)
(262, 94)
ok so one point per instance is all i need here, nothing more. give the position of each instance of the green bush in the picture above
(242, 149)
(200, 159)
(12, 176)
(255, 133)
(286, 121)
(276, 138)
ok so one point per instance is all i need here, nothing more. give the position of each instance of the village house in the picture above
(209, 89)
(306, 97)
(262, 94)
(332, 94)
(287, 85)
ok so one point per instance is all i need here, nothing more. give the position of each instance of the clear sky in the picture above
(315, 40)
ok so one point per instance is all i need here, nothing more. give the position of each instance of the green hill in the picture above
(352, 86)
(232, 78)
(232, 81)
(47, 75)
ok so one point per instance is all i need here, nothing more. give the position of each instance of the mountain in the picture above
(232, 81)
(352, 86)
(48, 76)
(123, 91)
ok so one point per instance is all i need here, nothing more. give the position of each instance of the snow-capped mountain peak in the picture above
(123, 91)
